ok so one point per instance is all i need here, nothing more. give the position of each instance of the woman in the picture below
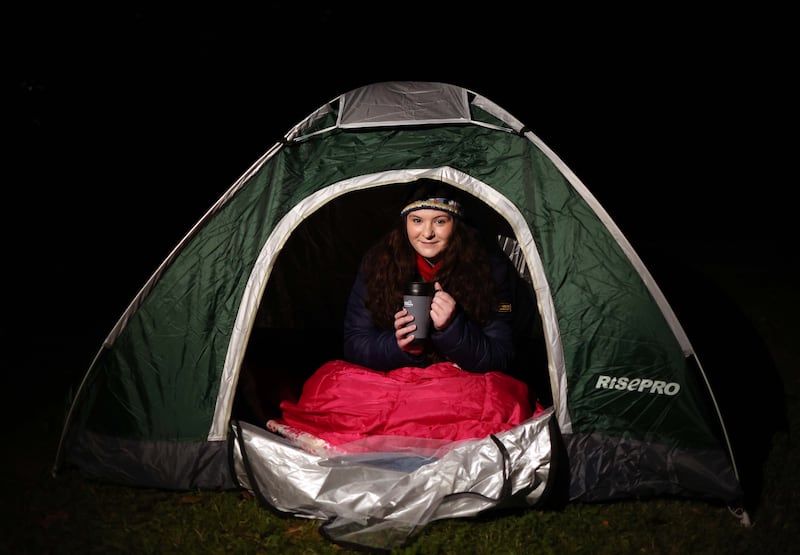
(453, 387)
(470, 311)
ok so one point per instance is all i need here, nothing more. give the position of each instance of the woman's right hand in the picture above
(403, 331)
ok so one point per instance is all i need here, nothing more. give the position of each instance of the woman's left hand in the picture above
(443, 307)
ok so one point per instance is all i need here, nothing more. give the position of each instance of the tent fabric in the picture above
(275, 256)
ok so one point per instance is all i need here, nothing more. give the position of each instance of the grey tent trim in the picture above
(404, 103)
(260, 276)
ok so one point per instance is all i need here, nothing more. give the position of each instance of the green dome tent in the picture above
(261, 281)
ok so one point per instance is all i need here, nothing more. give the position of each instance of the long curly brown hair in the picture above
(465, 271)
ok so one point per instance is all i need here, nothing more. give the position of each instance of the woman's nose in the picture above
(428, 231)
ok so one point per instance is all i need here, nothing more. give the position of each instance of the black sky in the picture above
(129, 122)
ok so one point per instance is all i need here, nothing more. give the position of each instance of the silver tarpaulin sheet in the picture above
(380, 499)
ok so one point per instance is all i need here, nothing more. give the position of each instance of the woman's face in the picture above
(429, 232)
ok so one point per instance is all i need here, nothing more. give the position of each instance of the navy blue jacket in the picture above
(473, 347)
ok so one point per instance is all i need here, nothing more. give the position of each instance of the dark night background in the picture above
(127, 123)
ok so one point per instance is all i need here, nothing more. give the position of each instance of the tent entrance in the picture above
(299, 323)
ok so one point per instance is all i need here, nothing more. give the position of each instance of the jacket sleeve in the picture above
(477, 348)
(366, 345)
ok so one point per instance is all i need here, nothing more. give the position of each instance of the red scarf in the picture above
(426, 271)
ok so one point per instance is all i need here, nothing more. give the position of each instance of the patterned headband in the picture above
(443, 204)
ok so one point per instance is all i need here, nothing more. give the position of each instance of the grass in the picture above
(46, 515)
